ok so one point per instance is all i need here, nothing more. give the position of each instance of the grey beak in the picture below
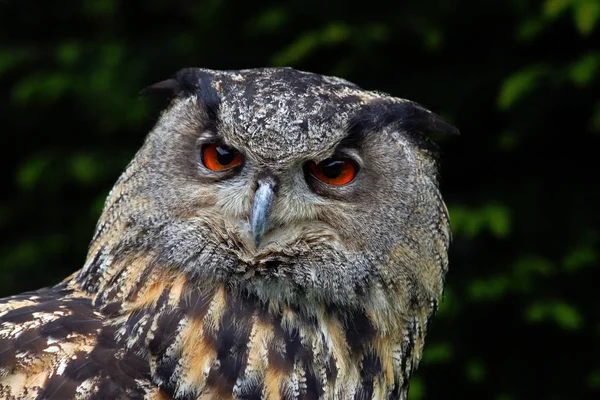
(261, 208)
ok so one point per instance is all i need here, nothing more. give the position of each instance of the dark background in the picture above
(520, 316)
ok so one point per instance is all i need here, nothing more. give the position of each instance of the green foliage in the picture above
(593, 379)
(31, 172)
(332, 34)
(580, 257)
(490, 288)
(520, 79)
(519, 84)
(475, 371)
(492, 218)
(564, 315)
(437, 353)
(583, 71)
(417, 389)
(586, 14)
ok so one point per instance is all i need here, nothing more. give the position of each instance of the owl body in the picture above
(279, 235)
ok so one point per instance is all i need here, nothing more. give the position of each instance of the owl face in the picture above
(291, 186)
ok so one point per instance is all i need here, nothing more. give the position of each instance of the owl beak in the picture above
(261, 208)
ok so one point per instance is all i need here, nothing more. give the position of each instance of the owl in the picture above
(279, 235)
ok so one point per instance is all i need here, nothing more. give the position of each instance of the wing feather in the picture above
(55, 345)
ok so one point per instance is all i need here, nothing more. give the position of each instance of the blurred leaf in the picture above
(433, 38)
(377, 31)
(43, 87)
(31, 172)
(491, 288)
(520, 84)
(335, 33)
(528, 270)
(417, 389)
(530, 29)
(498, 219)
(437, 353)
(297, 50)
(112, 54)
(99, 8)
(508, 140)
(24, 253)
(584, 70)
(84, 168)
(494, 218)
(449, 306)
(533, 265)
(579, 258)
(554, 8)
(11, 58)
(593, 379)
(269, 21)
(563, 314)
(524, 273)
(207, 10)
(68, 53)
(475, 371)
(137, 113)
(308, 42)
(586, 14)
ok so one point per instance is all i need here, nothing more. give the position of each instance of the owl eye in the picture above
(217, 157)
(333, 171)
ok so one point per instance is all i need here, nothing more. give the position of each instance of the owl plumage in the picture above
(256, 281)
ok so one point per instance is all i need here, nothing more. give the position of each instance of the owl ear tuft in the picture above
(418, 119)
(188, 82)
(168, 88)
(408, 115)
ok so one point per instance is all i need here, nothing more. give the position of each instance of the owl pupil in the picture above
(333, 169)
(224, 155)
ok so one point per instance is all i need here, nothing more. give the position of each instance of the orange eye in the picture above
(336, 172)
(217, 157)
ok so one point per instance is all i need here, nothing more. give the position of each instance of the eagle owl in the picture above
(279, 235)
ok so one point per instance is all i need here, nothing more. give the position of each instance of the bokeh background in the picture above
(520, 78)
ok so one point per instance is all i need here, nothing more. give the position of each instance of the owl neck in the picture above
(206, 338)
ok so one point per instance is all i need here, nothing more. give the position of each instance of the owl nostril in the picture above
(267, 178)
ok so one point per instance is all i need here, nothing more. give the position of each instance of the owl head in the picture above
(293, 187)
